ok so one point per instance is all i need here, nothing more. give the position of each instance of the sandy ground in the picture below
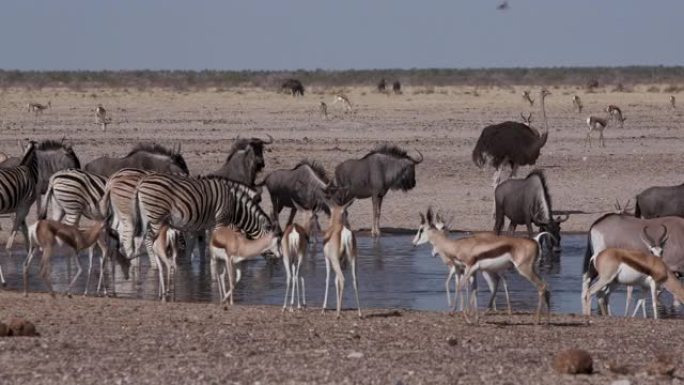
(442, 123)
(114, 341)
(100, 340)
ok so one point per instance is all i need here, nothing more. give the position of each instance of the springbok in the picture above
(323, 110)
(45, 233)
(614, 112)
(345, 101)
(631, 267)
(294, 246)
(457, 268)
(577, 104)
(526, 97)
(230, 247)
(673, 102)
(38, 108)
(599, 124)
(101, 117)
(339, 246)
(490, 253)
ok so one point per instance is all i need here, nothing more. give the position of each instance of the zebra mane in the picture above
(158, 149)
(316, 168)
(388, 149)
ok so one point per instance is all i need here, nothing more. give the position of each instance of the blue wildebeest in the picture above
(244, 161)
(52, 156)
(624, 232)
(294, 86)
(385, 168)
(303, 185)
(660, 201)
(152, 157)
(527, 201)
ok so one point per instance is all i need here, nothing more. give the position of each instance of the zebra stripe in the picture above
(74, 193)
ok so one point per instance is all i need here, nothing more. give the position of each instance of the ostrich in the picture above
(510, 142)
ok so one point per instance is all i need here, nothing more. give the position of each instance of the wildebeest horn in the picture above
(419, 160)
(270, 140)
(648, 237)
(561, 219)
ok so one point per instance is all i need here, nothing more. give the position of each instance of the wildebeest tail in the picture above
(588, 253)
(637, 209)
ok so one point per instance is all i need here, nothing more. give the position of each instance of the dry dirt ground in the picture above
(100, 340)
(442, 123)
(115, 341)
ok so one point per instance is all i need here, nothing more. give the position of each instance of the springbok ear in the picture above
(430, 216)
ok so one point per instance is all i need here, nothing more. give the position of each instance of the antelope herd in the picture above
(148, 197)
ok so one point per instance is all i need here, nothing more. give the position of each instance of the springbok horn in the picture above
(663, 237)
(270, 139)
(417, 161)
(648, 237)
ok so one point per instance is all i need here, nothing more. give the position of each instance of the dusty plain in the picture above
(101, 340)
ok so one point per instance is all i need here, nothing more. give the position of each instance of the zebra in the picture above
(191, 205)
(18, 193)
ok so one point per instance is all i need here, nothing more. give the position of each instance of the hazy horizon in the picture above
(355, 35)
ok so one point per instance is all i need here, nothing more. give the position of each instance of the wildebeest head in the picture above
(552, 226)
(53, 156)
(257, 147)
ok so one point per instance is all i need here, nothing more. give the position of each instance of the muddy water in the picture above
(392, 274)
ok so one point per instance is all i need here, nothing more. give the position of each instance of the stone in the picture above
(573, 361)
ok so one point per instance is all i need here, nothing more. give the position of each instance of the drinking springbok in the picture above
(634, 268)
(623, 232)
(294, 246)
(339, 247)
(230, 247)
(491, 253)
(46, 233)
(344, 99)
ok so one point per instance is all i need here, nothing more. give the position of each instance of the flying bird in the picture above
(503, 6)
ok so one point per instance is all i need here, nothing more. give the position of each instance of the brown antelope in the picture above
(323, 109)
(615, 112)
(38, 108)
(345, 101)
(577, 104)
(526, 97)
(673, 102)
(230, 247)
(294, 246)
(339, 246)
(599, 124)
(101, 117)
(45, 233)
(490, 253)
(634, 268)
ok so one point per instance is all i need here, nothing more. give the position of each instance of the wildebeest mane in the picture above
(510, 141)
(388, 149)
(316, 168)
(158, 149)
(50, 145)
(542, 179)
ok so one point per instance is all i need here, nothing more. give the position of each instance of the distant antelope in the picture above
(38, 108)
(323, 109)
(46, 233)
(673, 100)
(616, 113)
(101, 117)
(344, 100)
(599, 124)
(630, 267)
(526, 97)
(294, 246)
(577, 103)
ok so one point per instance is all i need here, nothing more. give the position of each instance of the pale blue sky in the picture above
(342, 34)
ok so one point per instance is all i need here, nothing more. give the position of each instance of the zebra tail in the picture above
(137, 218)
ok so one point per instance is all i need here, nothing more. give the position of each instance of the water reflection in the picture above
(392, 274)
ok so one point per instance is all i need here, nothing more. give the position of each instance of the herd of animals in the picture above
(147, 199)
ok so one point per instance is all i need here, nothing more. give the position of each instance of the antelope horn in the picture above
(270, 139)
(417, 161)
(648, 237)
(663, 237)
(563, 218)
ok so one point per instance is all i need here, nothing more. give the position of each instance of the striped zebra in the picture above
(192, 205)
(73, 194)
(119, 196)
(18, 193)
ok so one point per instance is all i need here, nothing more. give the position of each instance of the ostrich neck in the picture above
(546, 124)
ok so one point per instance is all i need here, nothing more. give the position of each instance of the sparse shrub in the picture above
(653, 89)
